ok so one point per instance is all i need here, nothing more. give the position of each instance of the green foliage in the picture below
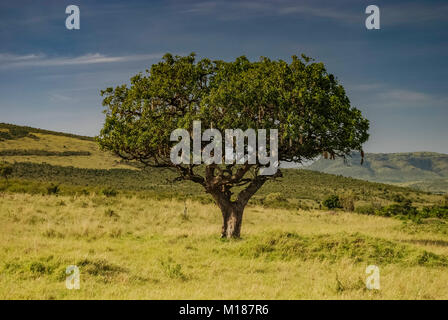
(368, 209)
(301, 188)
(434, 212)
(332, 202)
(172, 270)
(6, 170)
(299, 99)
(109, 192)
(403, 208)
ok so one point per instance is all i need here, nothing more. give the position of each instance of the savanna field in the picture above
(136, 235)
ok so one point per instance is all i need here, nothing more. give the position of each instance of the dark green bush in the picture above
(434, 212)
(405, 209)
(332, 202)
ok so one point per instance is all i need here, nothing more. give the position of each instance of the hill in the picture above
(26, 144)
(42, 159)
(422, 170)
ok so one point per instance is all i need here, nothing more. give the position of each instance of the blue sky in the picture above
(50, 77)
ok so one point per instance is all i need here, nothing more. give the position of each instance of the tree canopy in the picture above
(300, 99)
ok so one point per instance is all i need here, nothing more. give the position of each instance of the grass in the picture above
(136, 235)
(63, 151)
(127, 247)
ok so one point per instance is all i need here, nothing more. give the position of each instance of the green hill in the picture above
(424, 170)
(42, 158)
(26, 144)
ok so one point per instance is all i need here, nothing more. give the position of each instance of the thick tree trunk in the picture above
(232, 216)
(232, 211)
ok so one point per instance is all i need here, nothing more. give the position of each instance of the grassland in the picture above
(132, 248)
(135, 234)
(55, 144)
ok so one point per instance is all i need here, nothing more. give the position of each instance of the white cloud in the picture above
(345, 12)
(404, 98)
(57, 97)
(39, 60)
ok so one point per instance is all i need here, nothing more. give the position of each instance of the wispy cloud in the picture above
(378, 95)
(57, 97)
(233, 10)
(345, 12)
(394, 14)
(40, 60)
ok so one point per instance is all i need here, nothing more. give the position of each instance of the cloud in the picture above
(411, 13)
(57, 97)
(39, 60)
(234, 10)
(404, 98)
(342, 11)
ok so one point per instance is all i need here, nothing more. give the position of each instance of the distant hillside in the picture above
(20, 144)
(423, 170)
(26, 144)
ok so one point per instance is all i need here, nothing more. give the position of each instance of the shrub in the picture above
(405, 209)
(172, 270)
(53, 189)
(109, 192)
(398, 198)
(434, 212)
(369, 209)
(332, 202)
(5, 170)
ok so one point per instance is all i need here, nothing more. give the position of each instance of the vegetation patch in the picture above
(357, 247)
(44, 153)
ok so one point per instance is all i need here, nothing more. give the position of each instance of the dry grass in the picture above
(97, 159)
(129, 248)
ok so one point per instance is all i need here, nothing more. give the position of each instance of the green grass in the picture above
(135, 234)
(148, 249)
(298, 189)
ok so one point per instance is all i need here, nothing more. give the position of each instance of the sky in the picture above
(51, 77)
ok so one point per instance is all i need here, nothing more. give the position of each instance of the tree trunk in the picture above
(232, 215)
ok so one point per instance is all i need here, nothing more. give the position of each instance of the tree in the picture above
(5, 170)
(307, 106)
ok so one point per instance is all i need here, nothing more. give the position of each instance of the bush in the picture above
(109, 192)
(332, 202)
(404, 209)
(434, 212)
(398, 198)
(369, 209)
(5, 170)
(53, 189)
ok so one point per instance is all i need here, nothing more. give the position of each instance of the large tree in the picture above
(307, 106)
